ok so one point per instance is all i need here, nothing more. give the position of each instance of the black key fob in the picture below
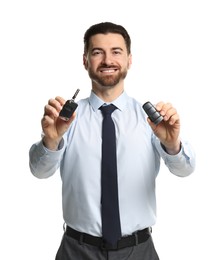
(152, 113)
(69, 108)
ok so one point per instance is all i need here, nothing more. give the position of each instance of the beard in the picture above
(107, 80)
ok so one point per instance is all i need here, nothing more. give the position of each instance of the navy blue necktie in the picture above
(110, 207)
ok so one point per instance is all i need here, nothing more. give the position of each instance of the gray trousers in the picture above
(71, 249)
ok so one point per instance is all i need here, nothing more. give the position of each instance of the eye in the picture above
(117, 51)
(96, 52)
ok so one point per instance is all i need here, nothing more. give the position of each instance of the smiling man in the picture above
(77, 148)
(107, 64)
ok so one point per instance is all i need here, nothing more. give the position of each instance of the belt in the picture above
(127, 241)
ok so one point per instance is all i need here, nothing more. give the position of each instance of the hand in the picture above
(53, 126)
(168, 130)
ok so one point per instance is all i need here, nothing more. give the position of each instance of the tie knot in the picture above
(107, 110)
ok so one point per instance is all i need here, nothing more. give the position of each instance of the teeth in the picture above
(108, 71)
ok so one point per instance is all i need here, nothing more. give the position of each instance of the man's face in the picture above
(107, 60)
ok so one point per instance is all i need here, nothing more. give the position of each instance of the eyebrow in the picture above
(100, 49)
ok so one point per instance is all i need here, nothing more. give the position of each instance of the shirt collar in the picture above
(119, 102)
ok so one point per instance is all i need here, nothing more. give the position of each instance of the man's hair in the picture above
(104, 28)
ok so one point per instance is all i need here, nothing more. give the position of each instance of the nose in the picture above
(107, 59)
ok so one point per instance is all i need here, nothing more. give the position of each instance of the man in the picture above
(76, 147)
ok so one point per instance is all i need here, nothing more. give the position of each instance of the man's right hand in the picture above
(54, 127)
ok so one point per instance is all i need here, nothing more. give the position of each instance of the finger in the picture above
(47, 120)
(159, 105)
(163, 107)
(174, 119)
(168, 112)
(46, 123)
(50, 111)
(56, 103)
(60, 100)
(53, 107)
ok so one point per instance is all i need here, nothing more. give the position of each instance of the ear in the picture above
(129, 61)
(85, 63)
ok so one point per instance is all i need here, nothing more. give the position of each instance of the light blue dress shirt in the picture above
(138, 161)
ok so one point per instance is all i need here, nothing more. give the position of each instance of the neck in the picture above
(108, 94)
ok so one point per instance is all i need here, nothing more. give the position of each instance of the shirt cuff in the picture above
(186, 152)
(44, 150)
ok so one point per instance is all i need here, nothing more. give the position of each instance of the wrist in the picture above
(172, 149)
(51, 144)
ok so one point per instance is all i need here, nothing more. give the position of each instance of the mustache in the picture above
(104, 66)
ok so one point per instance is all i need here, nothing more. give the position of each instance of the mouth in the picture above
(108, 70)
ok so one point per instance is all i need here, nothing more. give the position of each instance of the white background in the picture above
(176, 47)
